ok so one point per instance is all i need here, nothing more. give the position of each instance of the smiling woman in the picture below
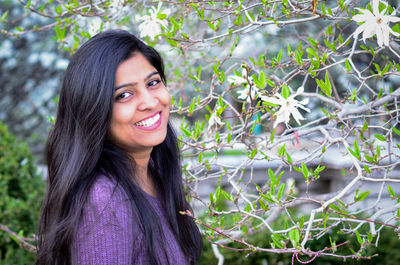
(115, 187)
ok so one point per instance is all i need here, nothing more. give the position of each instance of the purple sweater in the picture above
(109, 231)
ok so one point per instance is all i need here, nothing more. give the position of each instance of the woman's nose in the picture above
(147, 100)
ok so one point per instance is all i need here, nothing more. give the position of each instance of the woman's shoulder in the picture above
(106, 234)
(106, 193)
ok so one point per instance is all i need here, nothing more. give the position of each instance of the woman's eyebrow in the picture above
(134, 84)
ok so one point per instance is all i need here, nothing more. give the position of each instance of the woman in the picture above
(114, 187)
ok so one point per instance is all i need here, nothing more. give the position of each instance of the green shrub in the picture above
(21, 193)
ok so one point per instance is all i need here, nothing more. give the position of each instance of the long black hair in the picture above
(78, 149)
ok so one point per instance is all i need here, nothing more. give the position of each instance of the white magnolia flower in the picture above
(214, 119)
(244, 93)
(288, 106)
(375, 23)
(152, 24)
(241, 80)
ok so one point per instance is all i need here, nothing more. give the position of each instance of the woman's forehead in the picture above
(135, 69)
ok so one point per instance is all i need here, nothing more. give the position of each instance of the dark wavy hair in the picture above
(78, 148)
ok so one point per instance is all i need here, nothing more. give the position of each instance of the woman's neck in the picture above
(142, 173)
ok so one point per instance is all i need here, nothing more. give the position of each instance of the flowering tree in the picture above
(293, 86)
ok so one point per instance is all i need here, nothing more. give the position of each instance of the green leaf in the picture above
(262, 205)
(328, 85)
(58, 10)
(280, 191)
(304, 170)
(370, 237)
(279, 177)
(289, 50)
(347, 65)
(228, 138)
(262, 79)
(359, 239)
(378, 69)
(253, 153)
(271, 137)
(294, 236)
(4, 16)
(369, 159)
(261, 60)
(211, 25)
(279, 56)
(218, 192)
(278, 243)
(312, 53)
(271, 175)
(285, 91)
(380, 137)
(396, 131)
(319, 169)
(333, 244)
(289, 158)
(301, 222)
(161, 16)
(335, 207)
(282, 150)
(325, 219)
(227, 195)
(362, 196)
(268, 198)
(378, 151)
(186, 132)
(313, 42)
(391, 192)
(366, 168)
(356, 148)
(356, 152)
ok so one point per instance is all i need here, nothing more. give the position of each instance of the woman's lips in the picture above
(150, 123)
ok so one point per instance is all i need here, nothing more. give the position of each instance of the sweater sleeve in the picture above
(105, 234)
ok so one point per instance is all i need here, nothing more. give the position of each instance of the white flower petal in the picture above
(297, 116)
(375, 6)
(237, 80)
(304, 108)
(369, 31)
(163, 23)
(358, 18)
(281, 116)
(304, 101)
(393, 18)
(358, 31)
(380, 37)
(271, 100)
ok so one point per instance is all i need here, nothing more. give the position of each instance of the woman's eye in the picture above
(123, 95)
(154, 82)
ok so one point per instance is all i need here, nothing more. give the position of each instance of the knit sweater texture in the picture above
(110, 232)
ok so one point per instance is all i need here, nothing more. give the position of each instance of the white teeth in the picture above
(149, 122)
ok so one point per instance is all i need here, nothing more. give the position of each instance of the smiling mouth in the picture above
(149, 122)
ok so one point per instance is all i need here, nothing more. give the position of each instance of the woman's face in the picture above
(141, 106)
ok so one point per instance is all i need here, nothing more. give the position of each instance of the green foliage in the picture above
(387, 250)
(203, 44)
(21, 190)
